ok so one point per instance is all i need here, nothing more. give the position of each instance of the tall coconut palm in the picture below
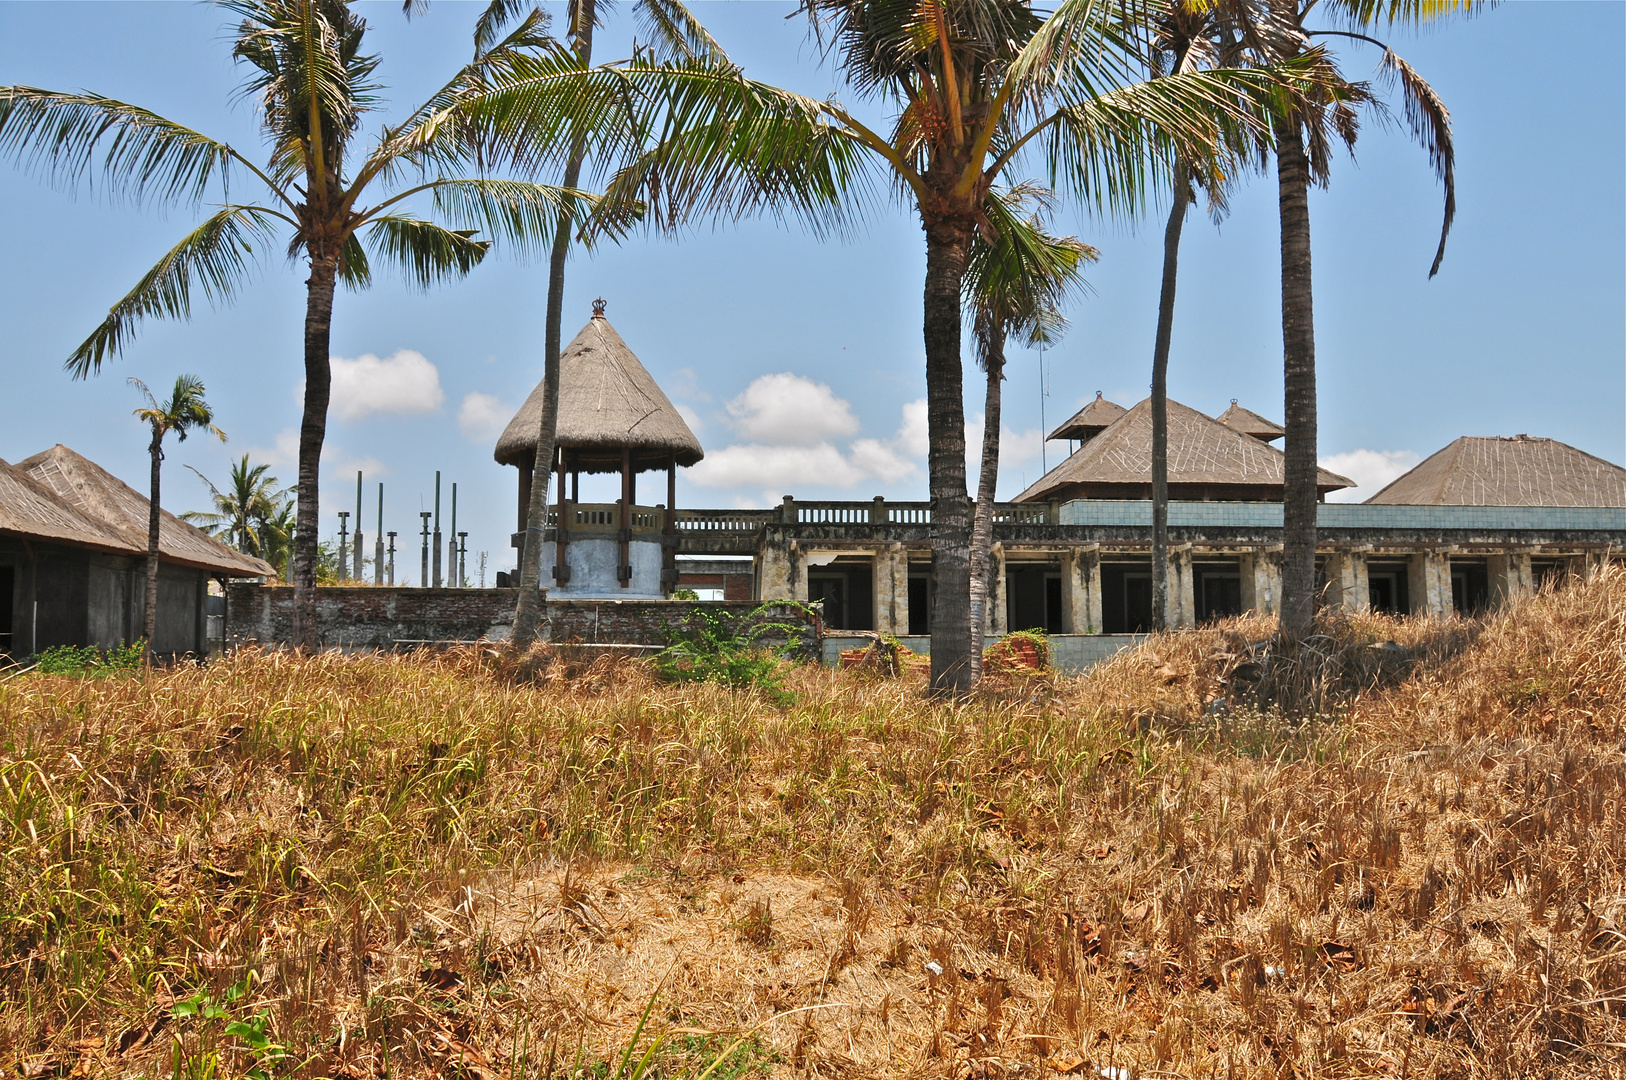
(1016, 284)
(975, 86)
(675, 33)
(332, 201)
(1304, 137)
(250, 499)
(186, 410)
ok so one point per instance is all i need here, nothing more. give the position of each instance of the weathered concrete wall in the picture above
(593, 562)
(64, 595)
(361, 619)
(1069, 652)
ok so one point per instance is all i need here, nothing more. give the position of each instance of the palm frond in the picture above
(676, 34)
(134, 151)
(214, 257)
(355, 272)
(425, 252)
(1019, 279)
(488, 28)
(727, 147)
(1430, 123)
(521, 215)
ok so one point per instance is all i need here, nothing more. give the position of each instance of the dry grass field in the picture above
(425, 866)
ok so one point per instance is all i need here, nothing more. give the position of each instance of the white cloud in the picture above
(777, 468)
(789, 410)
(1372, 470)
(690, 417)
(912, 432)
(403, 382)
(482, 416)
(879, 459)
(283, 453)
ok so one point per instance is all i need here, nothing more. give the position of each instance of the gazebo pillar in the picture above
(669, 574)
(561, 529)
(624, 571)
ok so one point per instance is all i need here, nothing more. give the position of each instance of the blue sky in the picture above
(799, 360)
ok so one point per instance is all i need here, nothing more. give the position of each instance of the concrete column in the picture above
(1081, 590)
(1428, 583)
(1181, 611)
(776, 568)
(892, 590)
(1348, 588)
(998, 620)
(1510, 576)
(1262, 581)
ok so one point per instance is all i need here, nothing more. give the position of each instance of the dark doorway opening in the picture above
(1470, 587)
(1218, 588)
(1033, 599)
(920, 606)
(8, 589)
(848, 592)
(1126, 598)
(1386, 590)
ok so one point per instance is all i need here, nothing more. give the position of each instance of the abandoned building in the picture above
(612, 419)
(73, 562)
(1482, 522)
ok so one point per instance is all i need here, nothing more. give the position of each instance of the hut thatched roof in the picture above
(1509, 471)
(1251, 423)
(1202, 452)
(1089, 421)
(607, 401)
(94, 508)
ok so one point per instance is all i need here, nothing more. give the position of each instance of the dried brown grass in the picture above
(446, 866)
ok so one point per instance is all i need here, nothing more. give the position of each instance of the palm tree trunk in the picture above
(312, 432)
(527, 610)
(1299, 495)
(948, 240)
(149, 622)
(1160, 398)
(982, 519)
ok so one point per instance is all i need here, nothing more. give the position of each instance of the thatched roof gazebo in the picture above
(613, 418)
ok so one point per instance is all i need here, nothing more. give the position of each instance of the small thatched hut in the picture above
(612, 418)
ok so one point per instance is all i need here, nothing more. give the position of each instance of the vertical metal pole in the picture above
(423, 575)
(344, 546)
(561, 529)
(462, 560)
(451, 554)
(392, 560)
(378, 540)
(356, 554)
(437, 529)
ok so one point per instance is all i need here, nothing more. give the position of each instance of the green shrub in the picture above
(87, 660)
(716, 647)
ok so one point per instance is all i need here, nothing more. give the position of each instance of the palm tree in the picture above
(1304, 136)
(975, 86)
(337, 204)
(185, 410)
(240, 512)
(1015, 284)
(676, 33)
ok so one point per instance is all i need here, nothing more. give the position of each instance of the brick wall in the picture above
(369, 618)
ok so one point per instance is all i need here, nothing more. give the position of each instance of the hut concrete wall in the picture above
(64, 595)
(369, 619)
(593, 562)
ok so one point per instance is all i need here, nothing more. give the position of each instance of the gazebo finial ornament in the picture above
(598, 308)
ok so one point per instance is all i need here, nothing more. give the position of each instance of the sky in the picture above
(798, 361)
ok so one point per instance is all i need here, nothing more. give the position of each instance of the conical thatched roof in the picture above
(1251, 423)
(1502, 471)
(1206, 460)
(607, 401)
(1089, 421)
